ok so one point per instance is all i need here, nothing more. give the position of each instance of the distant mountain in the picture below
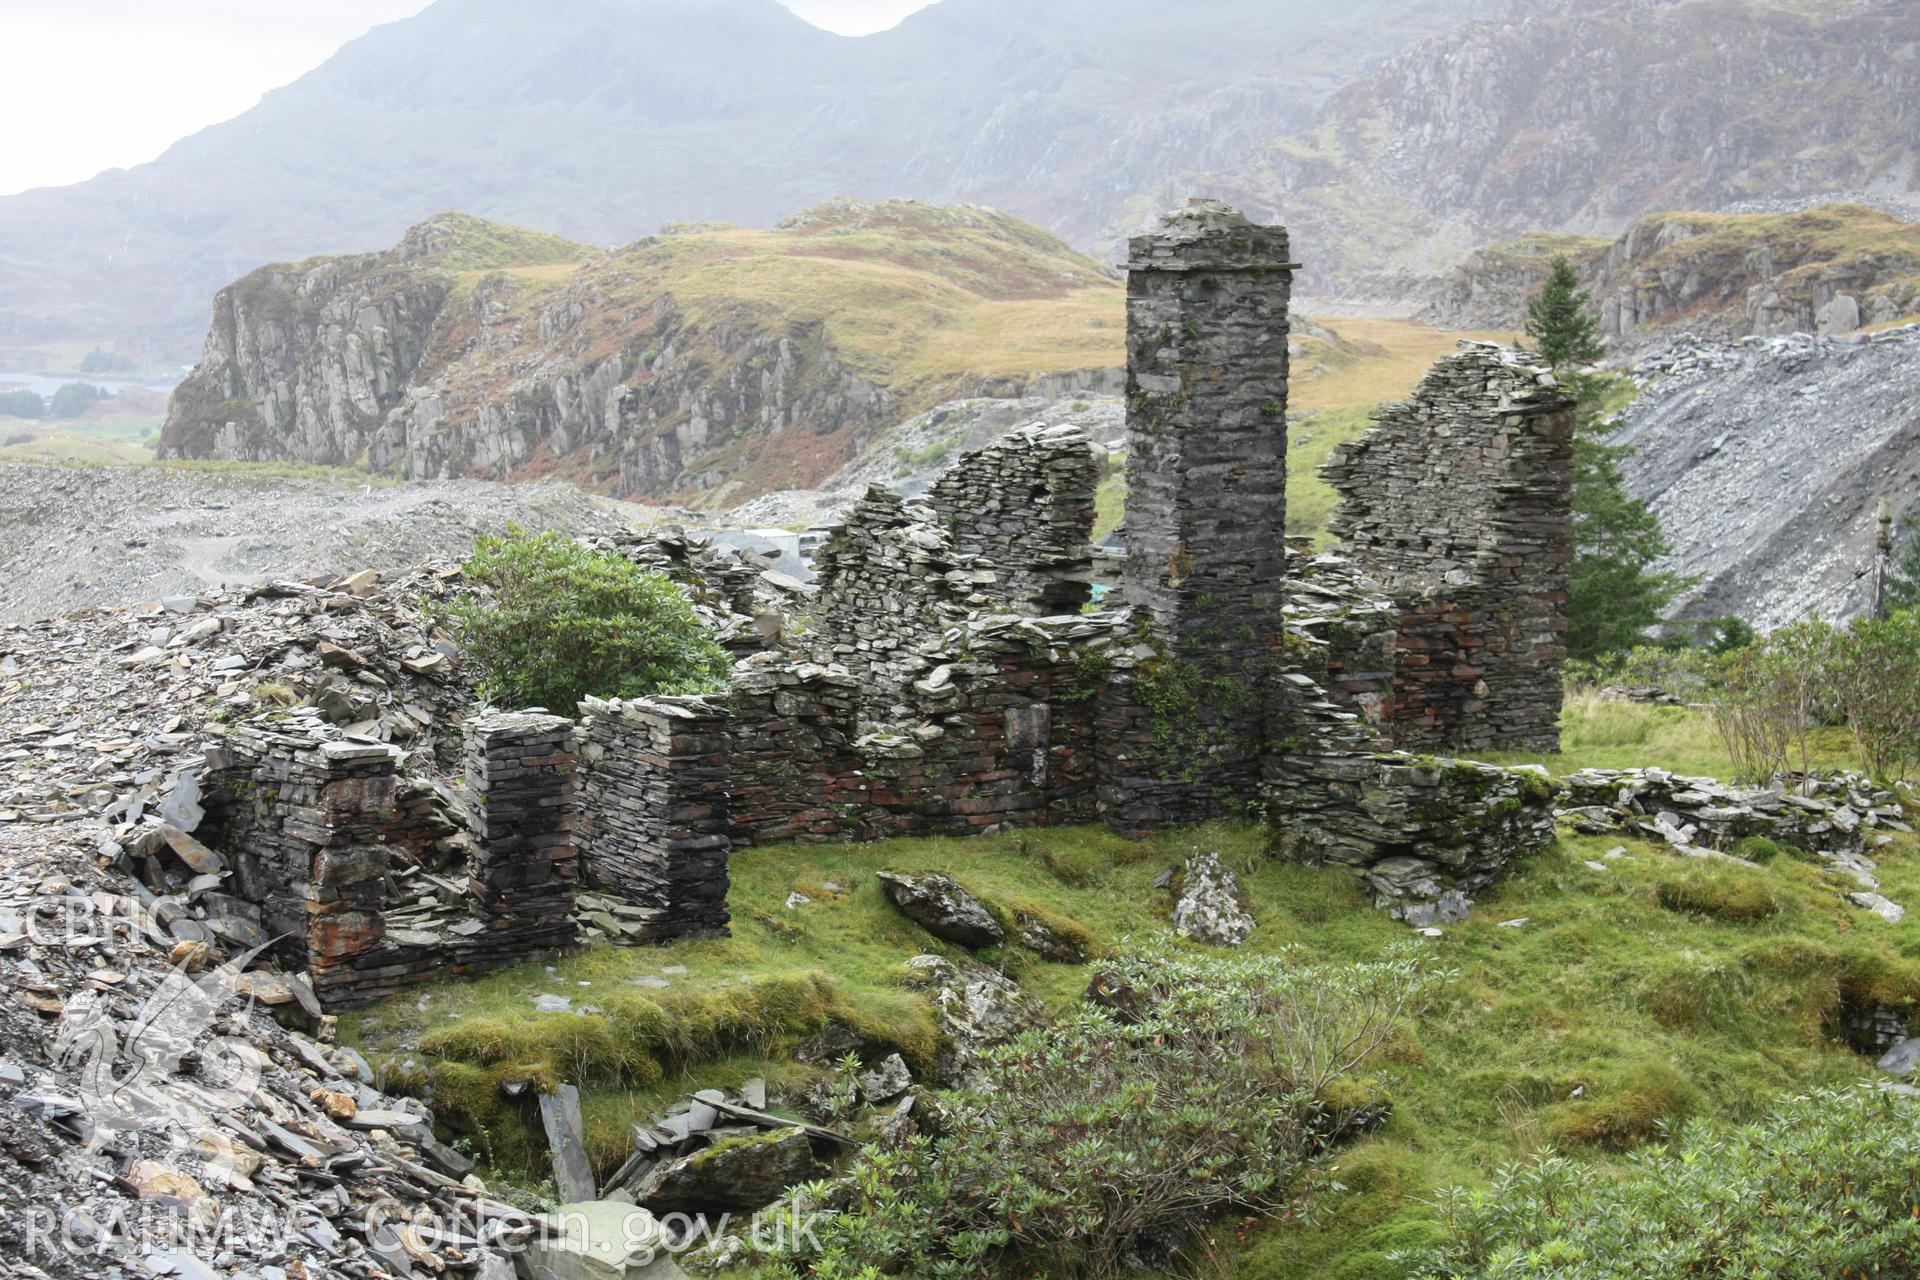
(1582, 117)
(601, 119)
(706, 366)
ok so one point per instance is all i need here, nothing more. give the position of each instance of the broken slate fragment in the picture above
(560, 1116)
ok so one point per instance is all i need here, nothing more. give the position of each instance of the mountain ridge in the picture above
(601, 119)
(1581, 122)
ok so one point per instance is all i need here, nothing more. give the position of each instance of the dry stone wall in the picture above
(1024, 506)
(656, 800)
(321, 836)
(890, 579)
(1006, 529)
(523, 870)
(1459, 502)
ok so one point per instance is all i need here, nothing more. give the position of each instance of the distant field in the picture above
(109, 432)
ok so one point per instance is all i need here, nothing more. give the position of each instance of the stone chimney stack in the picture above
(1207, 298)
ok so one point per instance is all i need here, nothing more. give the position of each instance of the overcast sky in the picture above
(100, 84)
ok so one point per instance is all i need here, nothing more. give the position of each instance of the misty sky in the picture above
(100, 84)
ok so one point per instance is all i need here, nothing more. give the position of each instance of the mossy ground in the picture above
(1617, 1007)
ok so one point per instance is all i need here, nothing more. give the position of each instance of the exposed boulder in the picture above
(1209, 909)
(938, 904)
(885, 1080)
(977, 1007)
(1902, 1059)
(734, 1176)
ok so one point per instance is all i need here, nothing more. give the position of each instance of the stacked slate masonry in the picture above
(1458, 502)
(951, 679)
(1207, 323)
(317, 827)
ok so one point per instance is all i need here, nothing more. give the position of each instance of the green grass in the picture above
(1311, 500)
(1109, 504)
(1620, 735)
(76, 448)
(841, 954)
(1634, 996)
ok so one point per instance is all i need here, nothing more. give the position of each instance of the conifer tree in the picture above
(1559, 321)
(1613, 596)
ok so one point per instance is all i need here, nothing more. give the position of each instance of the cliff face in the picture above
(1830, 270)
(1491, 288)
(304, 361)
(708, 365)
(1581, 122)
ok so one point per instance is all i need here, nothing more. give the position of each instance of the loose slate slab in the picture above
(938, 904)
(560, 1115)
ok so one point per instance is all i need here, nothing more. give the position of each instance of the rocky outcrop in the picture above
(305, 361)
(1491, 288)
(711, 365)
(1826, 270)
(1765, 461)
(1581, 119)
(1829, 269)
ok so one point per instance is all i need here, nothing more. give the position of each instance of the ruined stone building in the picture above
(1458, 503)
(948, 678)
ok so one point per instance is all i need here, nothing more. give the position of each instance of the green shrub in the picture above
(1197, 1085)
(553, 621)
(1826, 1185)
(1689, 674)
(1721, 890)
(1873, 682)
